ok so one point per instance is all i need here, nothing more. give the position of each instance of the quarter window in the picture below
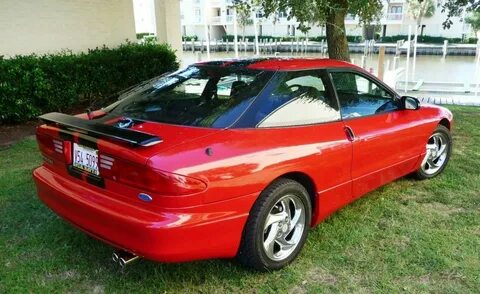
(299, 98)
(361, 96)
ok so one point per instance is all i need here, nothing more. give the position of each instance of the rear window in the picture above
(197, 96)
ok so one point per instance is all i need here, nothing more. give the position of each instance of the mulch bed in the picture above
(10, 134)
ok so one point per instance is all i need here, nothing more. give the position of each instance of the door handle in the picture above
(350, 134)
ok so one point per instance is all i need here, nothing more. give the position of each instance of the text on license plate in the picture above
(85, 158)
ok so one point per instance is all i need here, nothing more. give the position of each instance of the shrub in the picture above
(141, 35)
(190, 38)
(353, 39)
(31, 85)
(428, 39)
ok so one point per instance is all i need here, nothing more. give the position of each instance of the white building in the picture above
(144, 11)
(218, 16)
(49, 26)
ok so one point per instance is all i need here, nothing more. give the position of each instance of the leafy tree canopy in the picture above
(420, 9)
(309, 12)
(330, 13)
(456, 8)
(474, 20)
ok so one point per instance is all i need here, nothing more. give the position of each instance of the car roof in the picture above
(279, 63)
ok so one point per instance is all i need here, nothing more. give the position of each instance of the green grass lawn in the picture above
(409, 236)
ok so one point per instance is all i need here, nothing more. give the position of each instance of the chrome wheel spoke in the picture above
(284, 244)
(442, 150)
(285, 207)
(275, 218)
(295, 221)
(269, 242)
(431, 163)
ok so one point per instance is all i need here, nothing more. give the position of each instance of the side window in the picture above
(299, 98)
(361, 96)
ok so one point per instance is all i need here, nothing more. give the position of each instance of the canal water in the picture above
(430, 68)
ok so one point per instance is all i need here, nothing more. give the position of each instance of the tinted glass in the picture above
(198, 96)
(298, 98)
(360, 96)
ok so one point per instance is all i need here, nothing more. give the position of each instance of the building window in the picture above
(198, 15)
(395, 9)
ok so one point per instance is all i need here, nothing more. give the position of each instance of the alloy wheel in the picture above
(284, 227)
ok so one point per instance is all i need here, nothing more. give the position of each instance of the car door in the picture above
(300, 121)
(385, 144)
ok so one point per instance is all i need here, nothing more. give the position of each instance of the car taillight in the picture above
(55, 148)
(144, 177)
(58, 146)
(65, 148)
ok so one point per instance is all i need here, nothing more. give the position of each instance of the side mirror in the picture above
(410, 103)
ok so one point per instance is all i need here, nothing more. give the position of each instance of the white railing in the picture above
(215, 3)
(216, 19)
(394, 16)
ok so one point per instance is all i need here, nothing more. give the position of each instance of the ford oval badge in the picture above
(145, 197)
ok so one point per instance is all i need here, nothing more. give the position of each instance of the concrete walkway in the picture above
(438, 98)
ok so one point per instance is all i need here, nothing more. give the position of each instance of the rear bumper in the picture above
(167, 235)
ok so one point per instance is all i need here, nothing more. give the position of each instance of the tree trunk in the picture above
(336, 35)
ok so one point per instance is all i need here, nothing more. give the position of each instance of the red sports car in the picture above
(234, 158)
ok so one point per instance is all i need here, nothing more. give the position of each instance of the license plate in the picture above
(85, 158)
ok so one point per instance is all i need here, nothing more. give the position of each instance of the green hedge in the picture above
(32, 85)
(428, 39)
(352, 39)
(359, 39)
(141, 35)
(190, 38)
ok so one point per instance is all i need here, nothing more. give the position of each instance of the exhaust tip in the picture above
(115, 256)
(122, 262)
(123, 258)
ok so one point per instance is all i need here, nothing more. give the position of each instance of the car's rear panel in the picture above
(122, 166)
(108, 206)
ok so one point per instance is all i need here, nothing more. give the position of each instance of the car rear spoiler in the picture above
(99, 130)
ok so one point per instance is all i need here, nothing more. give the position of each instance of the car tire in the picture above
(439, 149)
(277, 226)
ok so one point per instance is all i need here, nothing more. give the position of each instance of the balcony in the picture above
(216, 20)
(215, 3)
(394, 16)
